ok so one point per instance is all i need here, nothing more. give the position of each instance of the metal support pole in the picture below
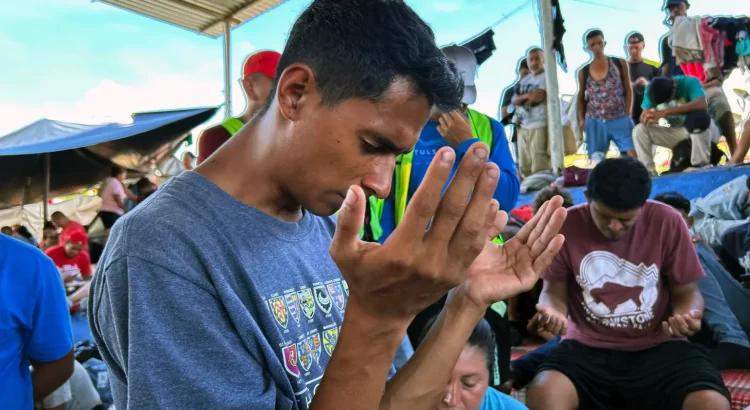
(227, 69)
(45, 195)
(554, 119)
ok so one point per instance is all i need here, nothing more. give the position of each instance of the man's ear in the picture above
(296, 89)
(247, 86)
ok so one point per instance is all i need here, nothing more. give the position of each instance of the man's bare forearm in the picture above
(355, 377)
(420, 384)
(48, 377)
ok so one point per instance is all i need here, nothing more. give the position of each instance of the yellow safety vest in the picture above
(232, 125)
(481, 128)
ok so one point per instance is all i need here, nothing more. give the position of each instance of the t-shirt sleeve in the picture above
(693, 88)
(646, 101)
(85, 264)
(210, 140)
(559, 270)
(681, 264)
(177, 345)
(117, 189)
(51, 336)
(541, 83)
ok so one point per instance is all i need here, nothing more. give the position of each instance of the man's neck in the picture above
(634, 59)
(538, 72)
(250, 110)
(247, 170)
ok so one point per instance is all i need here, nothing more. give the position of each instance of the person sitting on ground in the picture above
(6, 230)
(68, 227)
(50, 237)
(735, 251)
(681, 101)
(723, 208)
(36, 352)
(624, 296)
(727, 312)
(468, 387)
(605, 99)
(22, 233)
(258, 73)
(71, 259)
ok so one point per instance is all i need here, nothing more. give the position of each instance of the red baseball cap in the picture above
(264, 62)
(78, 237)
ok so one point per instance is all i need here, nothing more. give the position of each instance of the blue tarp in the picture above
(80, 156)
(691, 184)
(53, 136)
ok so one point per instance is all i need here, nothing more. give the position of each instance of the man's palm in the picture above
(503, 271)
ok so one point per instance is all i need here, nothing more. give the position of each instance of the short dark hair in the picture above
(115, 171)
(545, 194)
(523, 64)
(482, 337)
(660, 90)
(57, 214)
(635, 35)
(622, 183)
(358, 48)
(593, 33)
(49, 225)
(674, 199)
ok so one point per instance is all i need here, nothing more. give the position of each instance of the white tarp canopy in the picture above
(81, 208)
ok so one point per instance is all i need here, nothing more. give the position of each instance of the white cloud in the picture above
(448, 6)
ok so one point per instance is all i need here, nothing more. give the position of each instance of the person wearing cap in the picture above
(258, 73)
(68, 227)
(717, 103)
(70, 257)
(681, 101)
(531, 110)
(641, 71)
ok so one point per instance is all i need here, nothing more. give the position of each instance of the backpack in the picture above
(681, 156)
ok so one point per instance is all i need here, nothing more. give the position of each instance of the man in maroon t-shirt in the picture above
(258, 73)
(70, 258)
(623, 293)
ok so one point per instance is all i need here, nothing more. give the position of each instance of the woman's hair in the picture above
(482, 337)
(49, 225)
(115, 171)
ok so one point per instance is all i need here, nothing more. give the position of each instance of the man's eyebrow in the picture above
(384, 144)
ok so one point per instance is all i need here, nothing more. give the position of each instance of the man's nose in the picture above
(379, 181)
(615, 225)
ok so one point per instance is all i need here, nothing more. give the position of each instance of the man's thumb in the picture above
(350, 219)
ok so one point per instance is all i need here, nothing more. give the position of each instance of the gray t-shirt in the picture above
(530, 117)
(202, 302)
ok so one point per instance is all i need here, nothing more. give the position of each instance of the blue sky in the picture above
(79, 61)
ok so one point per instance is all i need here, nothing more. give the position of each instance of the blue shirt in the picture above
(495, 400)
(430, 141)
(234, 309)
(34, 319)
(687, 90)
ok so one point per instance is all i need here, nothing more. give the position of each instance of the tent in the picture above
(53, 157)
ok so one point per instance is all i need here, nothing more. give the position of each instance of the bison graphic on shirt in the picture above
(616, 292)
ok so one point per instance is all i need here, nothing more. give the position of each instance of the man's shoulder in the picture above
(658, 213)
(215, 131)
(53, 251)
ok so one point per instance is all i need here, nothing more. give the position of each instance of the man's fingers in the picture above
(471, 235)
(425, 200)
(526, 232)
(544, 219)
(542, 262)
(452, 206)
(349, 222)
(550, 229)
(498, 225)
